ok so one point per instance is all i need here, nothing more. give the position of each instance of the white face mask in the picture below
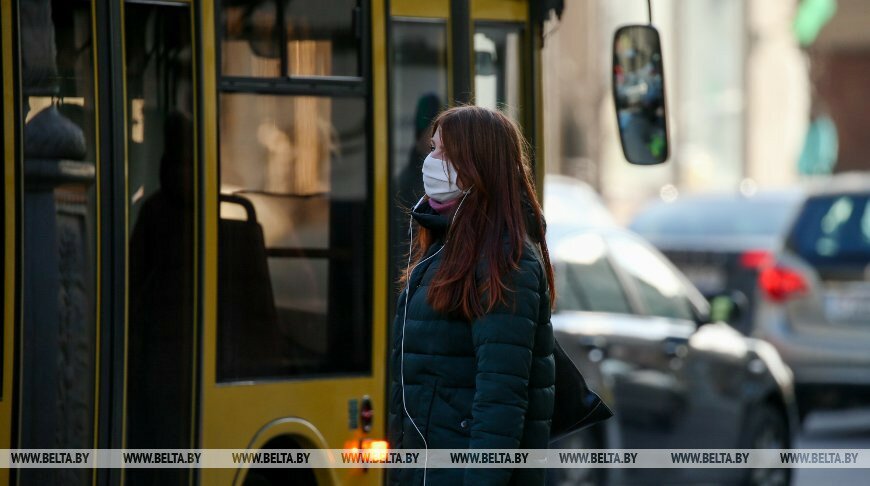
(440, 183)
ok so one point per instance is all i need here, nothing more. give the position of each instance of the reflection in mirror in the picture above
(639, 94)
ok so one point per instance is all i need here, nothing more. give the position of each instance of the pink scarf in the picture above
(443, 208)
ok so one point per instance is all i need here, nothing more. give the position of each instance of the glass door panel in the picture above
(419, 90)
(58, 338)
(161, 171)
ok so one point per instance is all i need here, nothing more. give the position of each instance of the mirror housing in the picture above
(639, 94)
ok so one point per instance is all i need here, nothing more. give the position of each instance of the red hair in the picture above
(488, 151)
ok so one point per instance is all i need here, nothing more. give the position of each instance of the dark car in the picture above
(814, 298)
(721, 242)
(640, 333)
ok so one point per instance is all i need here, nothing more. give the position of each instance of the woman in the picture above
(472, 346)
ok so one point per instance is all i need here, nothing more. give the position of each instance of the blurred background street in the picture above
(763, 206)
(760, 94)
(828, 430)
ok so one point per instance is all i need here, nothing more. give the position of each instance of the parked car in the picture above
(639, 332)
(721, 242)
(815, 305)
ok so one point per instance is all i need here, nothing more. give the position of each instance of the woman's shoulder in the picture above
(531, 260)
(532, 251)
(529, 269)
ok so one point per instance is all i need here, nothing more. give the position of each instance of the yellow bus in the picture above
(202, 211)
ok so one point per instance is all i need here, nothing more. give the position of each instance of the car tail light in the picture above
(756, 259)
(780, 284)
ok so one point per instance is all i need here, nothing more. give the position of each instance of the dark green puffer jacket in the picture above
(489, 384)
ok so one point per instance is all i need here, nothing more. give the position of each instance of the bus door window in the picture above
(160, 167)
(58, 354)
(418, 90)
(300, 162)
(294, 250)
(316, 38)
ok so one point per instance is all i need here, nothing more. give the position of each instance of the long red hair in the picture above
(489, 153)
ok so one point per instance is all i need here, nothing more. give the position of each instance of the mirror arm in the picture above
(649, 10)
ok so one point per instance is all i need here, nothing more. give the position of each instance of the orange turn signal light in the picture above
(377, 448)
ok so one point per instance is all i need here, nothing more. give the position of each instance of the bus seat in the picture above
(250, 342)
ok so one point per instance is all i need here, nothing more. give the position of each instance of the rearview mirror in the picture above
(639, 94)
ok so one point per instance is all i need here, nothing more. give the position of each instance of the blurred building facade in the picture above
(840, 75)
(739, 97)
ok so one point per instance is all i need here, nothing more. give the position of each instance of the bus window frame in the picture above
(9, 242)
(9, 218)
(4, 203)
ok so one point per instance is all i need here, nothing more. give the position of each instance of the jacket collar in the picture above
(438, 224)
(430, 219)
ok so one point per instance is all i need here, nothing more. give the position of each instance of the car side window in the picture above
(660, 290)
(585, 280)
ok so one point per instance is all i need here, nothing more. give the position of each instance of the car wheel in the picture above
(578, 476)
(766, 428)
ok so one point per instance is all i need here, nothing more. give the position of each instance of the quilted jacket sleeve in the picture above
(503, 343)
(394, 419)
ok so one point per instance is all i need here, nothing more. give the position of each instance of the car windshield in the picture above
(834, 229)
(584, 277)
(726, 216)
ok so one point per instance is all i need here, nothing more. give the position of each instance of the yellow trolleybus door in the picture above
(293, 274)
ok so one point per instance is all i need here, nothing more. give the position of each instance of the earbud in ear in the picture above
(418, 203)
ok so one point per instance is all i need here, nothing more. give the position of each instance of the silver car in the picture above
(814, 297)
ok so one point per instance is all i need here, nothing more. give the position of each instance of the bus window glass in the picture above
(58, 126)
(497, 74)
(160, 154)
(294, 237)
(315, 38)
(321, 38)
(252, 39)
